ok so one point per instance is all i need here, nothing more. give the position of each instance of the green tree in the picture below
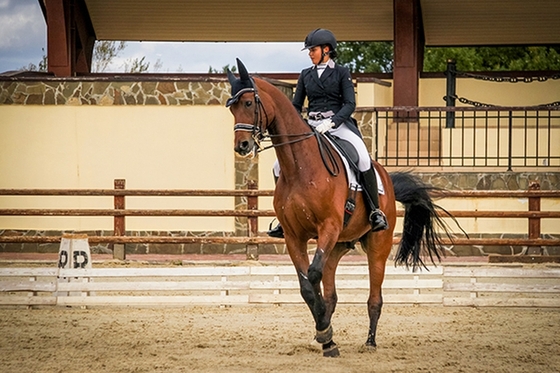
(366, 57)
(227, 67)
(378, 57)
(494, 58)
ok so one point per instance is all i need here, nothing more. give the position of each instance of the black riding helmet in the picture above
(319, 36)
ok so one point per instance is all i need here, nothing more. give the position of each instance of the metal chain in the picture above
(466, 101)
(510, 79)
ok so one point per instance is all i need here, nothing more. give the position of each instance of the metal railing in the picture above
(500, 137)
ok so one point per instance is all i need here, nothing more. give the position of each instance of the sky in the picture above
(23, 41)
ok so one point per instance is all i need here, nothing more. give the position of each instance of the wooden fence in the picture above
(534, 215)
(448, 285)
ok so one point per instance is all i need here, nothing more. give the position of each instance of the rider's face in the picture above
(315, 54)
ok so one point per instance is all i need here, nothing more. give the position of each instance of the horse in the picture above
(310, 198)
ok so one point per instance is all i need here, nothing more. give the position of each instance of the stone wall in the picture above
(114, 92)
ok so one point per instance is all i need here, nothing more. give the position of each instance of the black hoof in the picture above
(368, 348)
(330, 350)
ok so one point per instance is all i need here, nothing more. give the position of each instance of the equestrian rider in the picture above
(330, 93)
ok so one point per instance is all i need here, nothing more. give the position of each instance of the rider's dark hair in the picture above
(332, 52)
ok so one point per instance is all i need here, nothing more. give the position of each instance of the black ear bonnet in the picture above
(241, 85)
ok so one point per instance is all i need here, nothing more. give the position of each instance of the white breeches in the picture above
(364, 161)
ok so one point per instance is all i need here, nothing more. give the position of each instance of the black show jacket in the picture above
(334, 91)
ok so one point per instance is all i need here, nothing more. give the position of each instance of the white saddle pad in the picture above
(353, 178)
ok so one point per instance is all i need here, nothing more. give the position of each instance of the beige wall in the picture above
(152, 147)
(501, 94)
(432, 91)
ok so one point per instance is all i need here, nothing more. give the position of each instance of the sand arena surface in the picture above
(277, 339)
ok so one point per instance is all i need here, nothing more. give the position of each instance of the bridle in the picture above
(258, 135)
(256, 128)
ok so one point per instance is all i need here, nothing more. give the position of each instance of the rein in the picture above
(327, 155)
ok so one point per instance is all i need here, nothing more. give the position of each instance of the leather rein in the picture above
(258, 135)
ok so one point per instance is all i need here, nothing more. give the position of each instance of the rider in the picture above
(330, 93)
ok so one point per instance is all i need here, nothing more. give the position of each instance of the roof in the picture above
(445, 22)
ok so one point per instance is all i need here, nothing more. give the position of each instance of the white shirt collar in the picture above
(330, 63)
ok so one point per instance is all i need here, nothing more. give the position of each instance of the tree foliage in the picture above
(377, 57)
(136, 65)
(227, 67)
(366, 57)
(494, 58)
(104, 53)
(41, 67)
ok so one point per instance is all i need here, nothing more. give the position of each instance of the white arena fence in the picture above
(447, 285)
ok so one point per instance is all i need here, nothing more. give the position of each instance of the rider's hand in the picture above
(325, 125)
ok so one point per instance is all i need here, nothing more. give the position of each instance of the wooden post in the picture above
(534, 223)
(252, 222)
(119, 228)
(451, 81)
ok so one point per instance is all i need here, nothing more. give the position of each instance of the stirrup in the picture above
(277, 232)
(378, 221)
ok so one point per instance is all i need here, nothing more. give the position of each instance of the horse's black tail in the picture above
(419, 237)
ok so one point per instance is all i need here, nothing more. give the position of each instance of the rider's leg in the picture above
(368, 178)
(377, 218)
(277, 231)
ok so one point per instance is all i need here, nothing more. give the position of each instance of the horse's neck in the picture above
(295, 154)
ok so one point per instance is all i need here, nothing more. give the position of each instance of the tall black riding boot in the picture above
(376, 216)
(277, 231)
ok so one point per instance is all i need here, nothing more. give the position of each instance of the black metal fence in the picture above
(502, 137)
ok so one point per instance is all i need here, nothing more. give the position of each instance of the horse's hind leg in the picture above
(377, 247)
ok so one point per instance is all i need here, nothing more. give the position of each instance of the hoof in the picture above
(331, 350)
(324, 336)
(368, 348)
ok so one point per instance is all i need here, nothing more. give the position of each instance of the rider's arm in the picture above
(348, 97)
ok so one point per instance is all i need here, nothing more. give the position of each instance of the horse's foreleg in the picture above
(322, 268)
(298, 254)
(330, 297)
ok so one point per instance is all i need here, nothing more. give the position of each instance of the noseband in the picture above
(256, 129)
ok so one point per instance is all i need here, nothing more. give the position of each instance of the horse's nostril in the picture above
(245, 145)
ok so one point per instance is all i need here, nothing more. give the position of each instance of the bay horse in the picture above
(309, 202)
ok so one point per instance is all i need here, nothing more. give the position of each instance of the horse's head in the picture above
(251, 118)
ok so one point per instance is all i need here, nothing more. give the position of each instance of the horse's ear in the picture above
(232, 79)
(243, 74)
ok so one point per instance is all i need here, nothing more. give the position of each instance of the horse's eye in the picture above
(248, 103)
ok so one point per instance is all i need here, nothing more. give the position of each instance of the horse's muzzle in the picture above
(244, 147)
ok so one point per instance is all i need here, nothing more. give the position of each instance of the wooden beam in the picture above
(58, 37)
(85, 38)
(70, 37)
(408, 51)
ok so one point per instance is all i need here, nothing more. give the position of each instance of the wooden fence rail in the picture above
(252, 213)
(447, 285)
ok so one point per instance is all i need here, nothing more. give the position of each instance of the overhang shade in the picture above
(445, 22)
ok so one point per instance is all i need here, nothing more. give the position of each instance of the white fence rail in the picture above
(448, 285)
